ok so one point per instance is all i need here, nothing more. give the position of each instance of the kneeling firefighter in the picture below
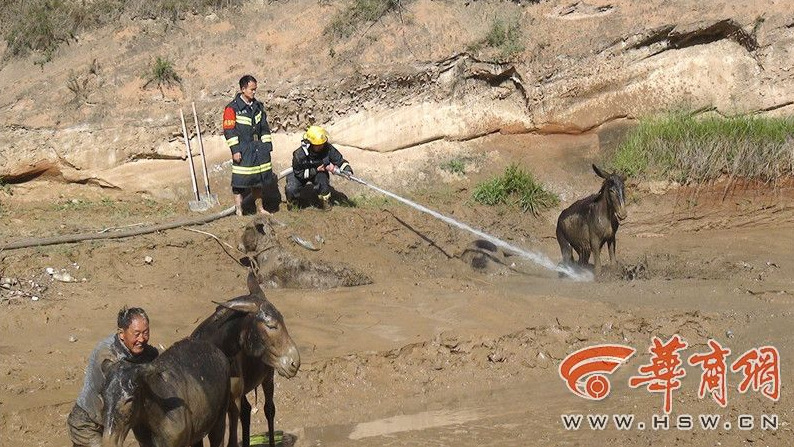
(313, 162)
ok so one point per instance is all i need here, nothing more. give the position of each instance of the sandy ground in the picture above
(433, 352)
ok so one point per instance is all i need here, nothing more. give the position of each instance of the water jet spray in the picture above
(537, 258)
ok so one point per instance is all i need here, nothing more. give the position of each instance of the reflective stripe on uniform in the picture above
(305, 173)
(266, 138)
(344, 165)
(232, 141)
(249, 170)
(258, 118)
(325, 197)
(243, 120)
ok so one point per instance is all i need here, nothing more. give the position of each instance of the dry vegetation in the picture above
(41, 26)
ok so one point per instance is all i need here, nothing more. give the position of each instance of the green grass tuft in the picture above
(503, 36)
(683, 148)
(6, 188)
(515, 186)
(161, 72)
(41, 26)
(38, 26)
(454, 166)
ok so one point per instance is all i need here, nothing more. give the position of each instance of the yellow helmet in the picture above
(316, 135)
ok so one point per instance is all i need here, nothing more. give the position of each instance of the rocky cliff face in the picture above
(413, 77)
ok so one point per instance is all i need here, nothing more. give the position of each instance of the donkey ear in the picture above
(241, 305)
(599, 172)
(253, 285)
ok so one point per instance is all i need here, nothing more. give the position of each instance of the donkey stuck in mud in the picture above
(174, 401)
(278, 266)
(590, 222)
(252, 334)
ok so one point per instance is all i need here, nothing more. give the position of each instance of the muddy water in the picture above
(731, 285)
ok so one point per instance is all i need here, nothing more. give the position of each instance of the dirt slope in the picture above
(413, 77)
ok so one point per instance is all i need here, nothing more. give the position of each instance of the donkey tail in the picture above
(565, 246)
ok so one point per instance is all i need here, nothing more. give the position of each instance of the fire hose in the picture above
(69, 238)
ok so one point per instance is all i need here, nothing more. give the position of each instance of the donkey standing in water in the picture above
(589, 222)
(251, 332)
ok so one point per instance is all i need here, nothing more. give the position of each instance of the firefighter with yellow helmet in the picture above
(313, 162)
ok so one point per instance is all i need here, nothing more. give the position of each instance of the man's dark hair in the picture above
(126, 315)
(245, 80)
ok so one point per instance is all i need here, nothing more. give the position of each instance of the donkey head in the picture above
(257, 235)
(265, 335)
(118, 395)
(614, 192)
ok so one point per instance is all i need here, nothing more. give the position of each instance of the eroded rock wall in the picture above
(395, 86)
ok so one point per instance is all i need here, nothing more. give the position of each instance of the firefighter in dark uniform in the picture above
(313, 163)
(248, 137)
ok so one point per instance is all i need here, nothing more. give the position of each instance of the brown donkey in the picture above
(590, 222)
(251, 332)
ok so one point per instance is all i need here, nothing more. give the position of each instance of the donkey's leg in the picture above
(245, 420)
(270, 407)
(234, 418)
(565, 248)
(596, 247)
(611, 246)
(216, 433)
(236, 391)
(567, 253)
(584, 256)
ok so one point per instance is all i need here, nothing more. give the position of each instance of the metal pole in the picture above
(201, 149)
(189, 155)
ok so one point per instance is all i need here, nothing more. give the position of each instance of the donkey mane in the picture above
(222, 318)
(222, 327)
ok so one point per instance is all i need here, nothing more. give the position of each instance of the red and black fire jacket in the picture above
(246, 131)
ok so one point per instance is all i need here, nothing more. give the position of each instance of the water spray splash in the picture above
(537, 258)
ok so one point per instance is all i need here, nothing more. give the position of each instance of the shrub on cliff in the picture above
(687, 149)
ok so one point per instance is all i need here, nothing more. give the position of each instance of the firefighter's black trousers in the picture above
(321, 182)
